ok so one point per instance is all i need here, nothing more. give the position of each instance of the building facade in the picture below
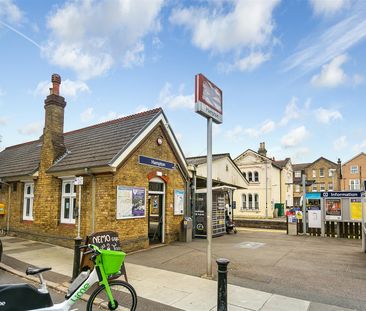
(132, 168)
(354, 173)
(321, 175)
(269, 182)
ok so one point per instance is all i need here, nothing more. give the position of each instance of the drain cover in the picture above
(251, 245)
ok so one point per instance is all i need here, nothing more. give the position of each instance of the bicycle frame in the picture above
(82, 289)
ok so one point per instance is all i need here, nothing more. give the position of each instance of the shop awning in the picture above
(313, 195)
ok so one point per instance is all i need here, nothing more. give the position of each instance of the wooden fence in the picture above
(339, 229)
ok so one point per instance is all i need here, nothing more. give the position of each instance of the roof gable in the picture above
(99, 145)
(361, 154)
(324, 159)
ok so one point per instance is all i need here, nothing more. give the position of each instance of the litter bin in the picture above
(279, 209)
(186, 229)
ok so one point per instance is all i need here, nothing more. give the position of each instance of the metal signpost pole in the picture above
(304, 203)
(209, 197)
(363, 222)
(79, 211)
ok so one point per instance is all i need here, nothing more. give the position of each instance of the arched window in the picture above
(245, 174)
(256, 176)
(244, 201)
(250, 176)
(256, 201)
(250, 199)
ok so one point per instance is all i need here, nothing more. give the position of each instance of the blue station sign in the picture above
(156, 162)
(341, 194)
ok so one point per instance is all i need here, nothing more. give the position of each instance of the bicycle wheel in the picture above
(123, 293)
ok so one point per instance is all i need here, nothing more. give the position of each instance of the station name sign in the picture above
(156, 162)
(208, 98)
(334, 194)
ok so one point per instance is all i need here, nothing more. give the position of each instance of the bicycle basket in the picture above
(112, 261)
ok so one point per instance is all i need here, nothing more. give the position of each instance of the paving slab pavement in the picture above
(176, 290)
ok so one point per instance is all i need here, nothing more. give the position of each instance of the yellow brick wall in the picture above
(326, 165)
(132, 232)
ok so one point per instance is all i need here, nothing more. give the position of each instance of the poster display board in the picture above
(131, 202)
(333, 209)
(178, 202)
(356, 209)
(315, 220)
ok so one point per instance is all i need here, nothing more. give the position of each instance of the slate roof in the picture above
(281, 163)
(93, 146)
(300, 166)
(203, 159)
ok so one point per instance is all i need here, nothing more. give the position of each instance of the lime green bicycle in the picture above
(107, 294)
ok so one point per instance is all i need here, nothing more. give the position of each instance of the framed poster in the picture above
(356, 209)
(178, 202)
(333, 210)
(131, 202)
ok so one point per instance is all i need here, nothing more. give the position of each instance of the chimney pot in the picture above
(56, 81)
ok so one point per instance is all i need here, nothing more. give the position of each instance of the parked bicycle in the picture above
(107, 294)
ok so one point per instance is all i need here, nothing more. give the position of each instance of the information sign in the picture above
(208, 98)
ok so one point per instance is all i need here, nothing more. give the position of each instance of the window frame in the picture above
(354, 169)
(314, 188)
(72, 199)
(355, 183)
(244, 201)
(322, 187)
(321, 172)
(297, 188)
(314, 173)
(28, 198)
(297, 174)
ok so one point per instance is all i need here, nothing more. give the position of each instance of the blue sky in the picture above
(292, 72)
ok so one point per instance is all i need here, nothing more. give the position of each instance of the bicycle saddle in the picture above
(33, 271)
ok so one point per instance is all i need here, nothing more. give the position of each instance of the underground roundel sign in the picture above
(208, 98)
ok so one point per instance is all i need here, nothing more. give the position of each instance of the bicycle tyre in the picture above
(123, 293)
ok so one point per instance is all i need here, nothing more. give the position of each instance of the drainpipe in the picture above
(94, 181)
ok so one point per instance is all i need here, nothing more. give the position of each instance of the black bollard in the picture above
(222, 284)
(76, 265)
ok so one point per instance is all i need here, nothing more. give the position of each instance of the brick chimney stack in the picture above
(53, 132)
(56, 81)
(262, 149)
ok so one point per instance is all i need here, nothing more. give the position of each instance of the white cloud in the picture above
(31, 129)
(292, 112)
(247, 63)
(2, 92)
(216, 129)
(68, 88)
(3, 121)
(238, 132)
(237, 26)
(111, 115)
(328, 7)
(108, 33)
(172, 100)
(295, 137)
(320, 48)
(358, 79)
(327, 115)
(10, 12)
(340, 143)
(360, 147)
(267, 127)
(87, 115)
(331, 74)
(141, 109)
